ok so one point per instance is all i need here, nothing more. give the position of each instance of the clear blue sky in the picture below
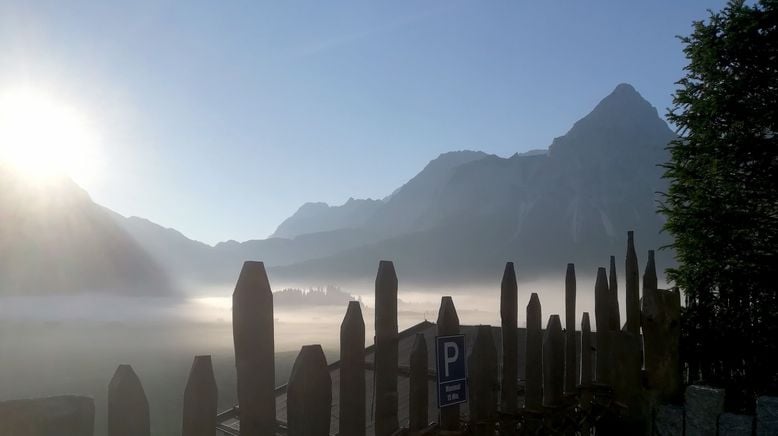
(220, 118)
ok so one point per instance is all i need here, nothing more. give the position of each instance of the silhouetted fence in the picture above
(612, 381)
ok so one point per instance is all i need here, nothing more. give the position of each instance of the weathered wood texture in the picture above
(571, 373)
(309, 394)
(128, 408)
(533, 385)
(386, 352)
(448, 324)
(509, 307)
(553, 363)
(633, 287)
(252, 330)
(419, 388)
(482, 374)
(200, 399)
(352, 372)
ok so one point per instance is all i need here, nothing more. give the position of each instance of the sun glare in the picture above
(42, 138)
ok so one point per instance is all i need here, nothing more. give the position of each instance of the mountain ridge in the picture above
(460, 218)
(56, 240)
(467, 211)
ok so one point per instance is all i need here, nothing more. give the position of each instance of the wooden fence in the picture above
(613, 387)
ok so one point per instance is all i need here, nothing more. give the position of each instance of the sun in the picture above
(43, 138)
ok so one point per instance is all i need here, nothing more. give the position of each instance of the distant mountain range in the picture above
(458, 220)
(55, 240)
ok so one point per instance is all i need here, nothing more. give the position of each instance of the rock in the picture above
(668, 420)
(766, 416)
(704, 404)
(731, 424)
(66, 415)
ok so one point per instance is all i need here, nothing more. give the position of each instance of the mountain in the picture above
(321, 217)
(55, 240)
(393, 215)
(467, 212)
(184, 259)
(315, 231)
(459, 219)
(194, 263)
(574, 203)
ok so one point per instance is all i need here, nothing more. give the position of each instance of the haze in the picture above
(148, 149)
(248, 110)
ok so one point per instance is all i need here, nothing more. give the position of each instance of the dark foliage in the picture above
(722, 202)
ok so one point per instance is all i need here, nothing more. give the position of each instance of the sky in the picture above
(221, 118)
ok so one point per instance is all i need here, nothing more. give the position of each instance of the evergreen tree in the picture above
(722, 202)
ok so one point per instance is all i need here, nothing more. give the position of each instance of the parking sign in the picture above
(452, 374)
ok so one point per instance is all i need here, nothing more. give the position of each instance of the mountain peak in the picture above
(625, 87)
(622, 117)
(459, 156)
(624, 98)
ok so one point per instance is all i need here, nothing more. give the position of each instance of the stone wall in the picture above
(703, 414)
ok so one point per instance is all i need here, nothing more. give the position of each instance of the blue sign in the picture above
(452, 374)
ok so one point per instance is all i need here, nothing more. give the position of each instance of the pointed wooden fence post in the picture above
(482, 374)
(625, 363)
(601, 317)
(587, 356)
(553, 363)
(252, 331)
(625, 367)
(386, 350)
(533, 373)
(509, 307)
(571, 373)
(419, 388)
(200, 399)
(613, 287)
(309, 394)
(651, 323)
(352, 372)
(661, 314)
(633, 290)
(586, 351)
(128, 408)
(448, 324)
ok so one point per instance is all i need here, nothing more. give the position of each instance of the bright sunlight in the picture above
(43, 138)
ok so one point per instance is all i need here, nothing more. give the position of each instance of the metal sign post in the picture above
(451, 370)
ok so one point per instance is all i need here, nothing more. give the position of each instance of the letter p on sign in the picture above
(451, 354)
